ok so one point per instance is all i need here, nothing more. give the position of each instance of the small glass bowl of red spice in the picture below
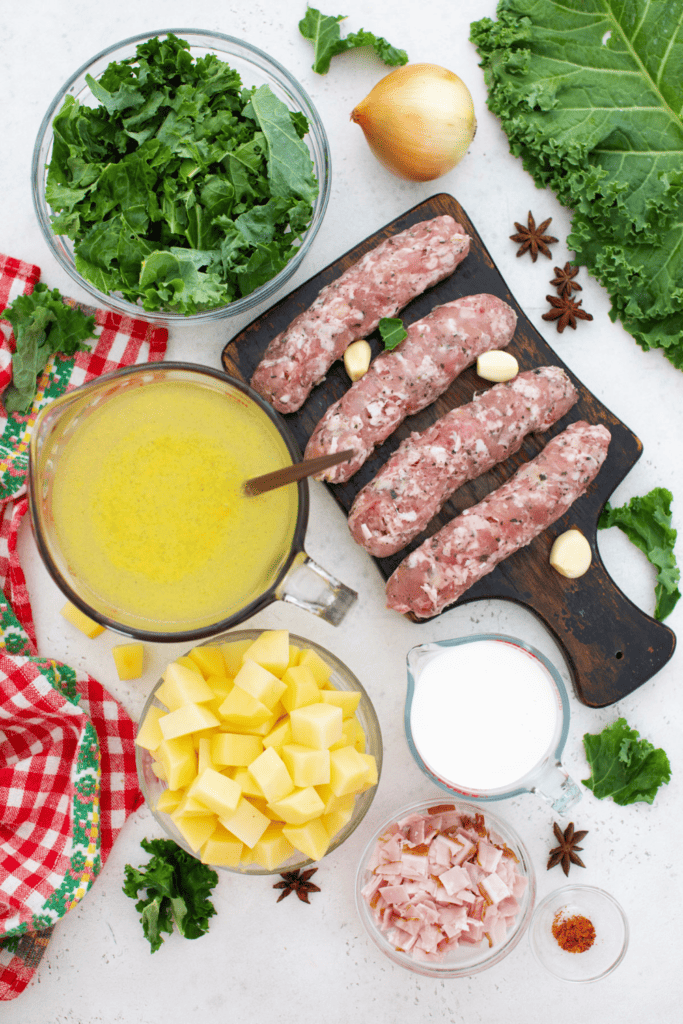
(579, 933)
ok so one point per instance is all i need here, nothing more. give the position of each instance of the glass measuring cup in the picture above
(95, 429)
(487, 717)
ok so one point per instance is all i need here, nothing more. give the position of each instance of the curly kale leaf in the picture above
(177, 887)
(623, 766)
(323, 31)
(43, 324)
(590, 94)
(646, 521)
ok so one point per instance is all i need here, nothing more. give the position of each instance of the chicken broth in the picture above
(148, 508)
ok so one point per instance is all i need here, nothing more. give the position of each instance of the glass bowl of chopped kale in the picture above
(180, 175)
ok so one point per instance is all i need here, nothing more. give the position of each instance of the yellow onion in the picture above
(418, 121)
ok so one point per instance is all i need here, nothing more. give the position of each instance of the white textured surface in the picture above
(290, 962)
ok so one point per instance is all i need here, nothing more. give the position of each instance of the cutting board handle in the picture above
(610, 648)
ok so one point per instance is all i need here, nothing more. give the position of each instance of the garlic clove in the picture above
(357, 359)
(571, 554)
(497, 366)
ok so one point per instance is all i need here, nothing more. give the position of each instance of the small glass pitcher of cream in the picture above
(487, 717)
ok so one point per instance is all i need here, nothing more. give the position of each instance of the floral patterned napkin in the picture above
(67, 748)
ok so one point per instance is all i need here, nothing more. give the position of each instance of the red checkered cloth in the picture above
(67, 748)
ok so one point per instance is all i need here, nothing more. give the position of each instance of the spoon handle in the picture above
(290, 474)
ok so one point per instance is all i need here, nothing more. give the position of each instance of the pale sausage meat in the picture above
(410, 377)
(379, 285)
(428, 467)
(446, 565)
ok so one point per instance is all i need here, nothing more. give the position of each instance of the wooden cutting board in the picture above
(611, 647)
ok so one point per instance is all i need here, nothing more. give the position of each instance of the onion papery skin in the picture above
(418, 120)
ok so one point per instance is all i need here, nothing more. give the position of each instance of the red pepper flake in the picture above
(574, 934)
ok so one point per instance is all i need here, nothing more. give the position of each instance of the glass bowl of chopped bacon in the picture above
(445, 889)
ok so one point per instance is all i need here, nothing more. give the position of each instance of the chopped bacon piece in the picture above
(449, 881)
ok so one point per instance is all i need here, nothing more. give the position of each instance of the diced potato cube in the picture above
(270, 650)
(189, 807)
(196, 830)
(260, 683)
(333, 802)
(182, 685)
(179, 761)
(316, 725)
(294, 653)
(336, 820)
(169, 800)
(149, 734)
(320, 669)
(233, 749)
(263, 728)
(247, 783)
(347, 700)
(204, 753)
(216, 791)
(222, 849)
(280, 734)
(232, 652)
(272, 776)
(301, 688)
(306, 765)
(81, 621)
(352, 735)
(299, 807)
(242, 712)
(209, 659)
(128, 659)
(246, 822)
(372, 775)
(189, 663)
(311, 838)
(348, 770)
(188, 718)
(360, 741)
(220, 686)
(272, 849)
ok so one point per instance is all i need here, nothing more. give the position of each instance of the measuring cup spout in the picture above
(309, 586)
(556, 786)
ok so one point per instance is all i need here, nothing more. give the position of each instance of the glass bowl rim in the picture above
(444, 969)
(246, 302)
(363, 801)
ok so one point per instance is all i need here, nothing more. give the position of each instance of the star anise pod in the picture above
(565, 854)
(532, 238)
(565, 311)
(296, 881)
(564, 280)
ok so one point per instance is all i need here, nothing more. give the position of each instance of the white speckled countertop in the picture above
(290, 962)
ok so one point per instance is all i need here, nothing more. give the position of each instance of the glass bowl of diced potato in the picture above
(258, 751)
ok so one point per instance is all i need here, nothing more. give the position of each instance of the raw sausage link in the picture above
(438, 572)
(427, 468)
(412, 376)
(379, 285)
